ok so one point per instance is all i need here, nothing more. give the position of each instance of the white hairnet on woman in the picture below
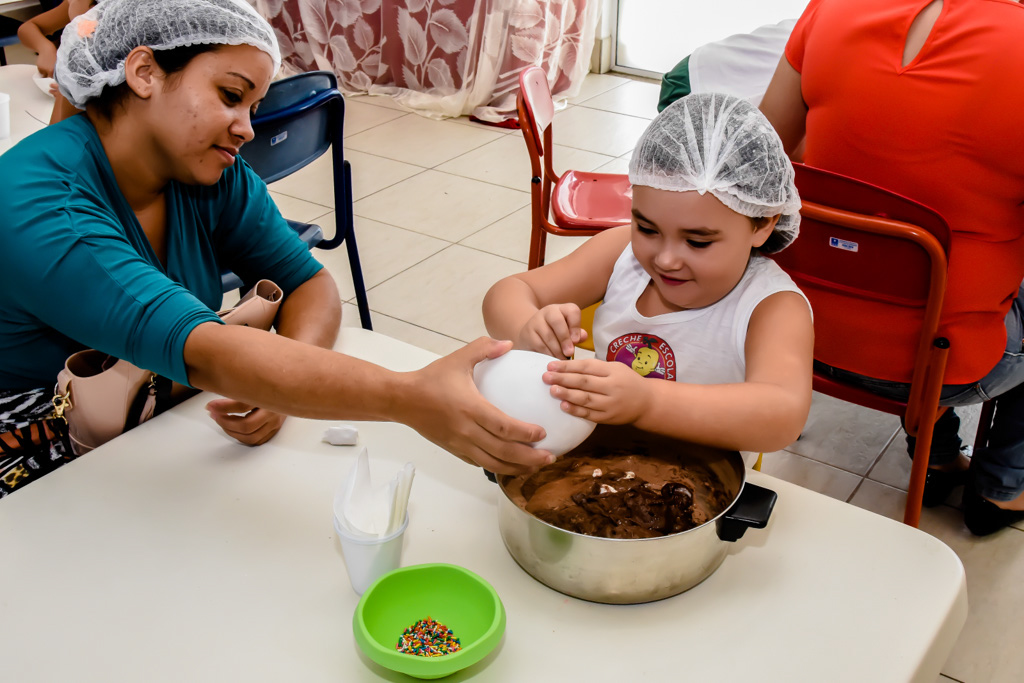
(94, 45)
(711, 142)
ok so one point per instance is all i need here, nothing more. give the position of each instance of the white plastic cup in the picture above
(5, 116)
(368, 559)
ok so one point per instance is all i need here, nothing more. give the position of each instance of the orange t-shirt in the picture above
(945, 130)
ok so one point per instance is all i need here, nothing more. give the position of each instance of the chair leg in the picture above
(538, 241)
(353, 251)
(919, 471)
(3, 56)
(357, 281)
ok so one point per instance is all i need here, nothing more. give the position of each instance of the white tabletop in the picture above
(174, 554)
(30, 106)
(11, 5)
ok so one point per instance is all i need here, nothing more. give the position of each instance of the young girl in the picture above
(687, 295)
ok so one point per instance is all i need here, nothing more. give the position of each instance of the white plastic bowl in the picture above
(43, 83)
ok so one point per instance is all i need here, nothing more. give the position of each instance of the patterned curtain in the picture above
(438, 57)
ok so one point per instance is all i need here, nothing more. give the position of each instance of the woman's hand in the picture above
(249, 425)
(601, 391)
(444, 405)
(554, 330)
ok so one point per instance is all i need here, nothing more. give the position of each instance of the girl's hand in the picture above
(601, 391)
(554, 330)
(45, 62)
(250, 426)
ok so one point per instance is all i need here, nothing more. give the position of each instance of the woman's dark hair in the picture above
(775, 241)
(170, 62)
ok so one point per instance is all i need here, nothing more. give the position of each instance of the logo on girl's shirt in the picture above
(649, 355)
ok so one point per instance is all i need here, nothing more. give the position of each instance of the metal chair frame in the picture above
(544, 182)
(819, 281)
(274, 125)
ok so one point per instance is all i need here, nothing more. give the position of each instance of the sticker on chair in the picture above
(845, 245)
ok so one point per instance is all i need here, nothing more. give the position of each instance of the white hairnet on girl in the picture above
(94, 45)
(711, 142)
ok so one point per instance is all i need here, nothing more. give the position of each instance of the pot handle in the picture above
(752, 509)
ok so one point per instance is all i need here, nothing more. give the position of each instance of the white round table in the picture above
(30, 106)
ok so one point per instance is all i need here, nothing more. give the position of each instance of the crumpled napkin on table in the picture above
(371, 512)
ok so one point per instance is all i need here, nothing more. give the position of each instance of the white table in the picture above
(30, 106)
(11, 5)
(174, 554)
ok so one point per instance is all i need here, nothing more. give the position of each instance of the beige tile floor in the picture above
(442, 212)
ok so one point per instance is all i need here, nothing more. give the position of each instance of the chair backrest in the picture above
(538, 106)
(873, 265)
(295, 134)
(290, 91)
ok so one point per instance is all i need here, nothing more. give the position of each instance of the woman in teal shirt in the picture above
(117, 224)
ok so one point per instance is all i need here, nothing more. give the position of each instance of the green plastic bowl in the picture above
(454, 596)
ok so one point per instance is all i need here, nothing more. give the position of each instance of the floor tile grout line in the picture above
(620, 113)
(411, 324)
(486, 182)
(881, 453)
(427, 167)
(822, 462)
(405, 270)
(426, 258)
(379, 156)
(856, 488)
(578, 149)
(345, 137)
(388, 187)
(365, 98)
(299, 199)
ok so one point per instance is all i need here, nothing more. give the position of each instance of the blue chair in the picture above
(301, 118)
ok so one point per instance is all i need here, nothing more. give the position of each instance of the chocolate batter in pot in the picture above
(619, 494)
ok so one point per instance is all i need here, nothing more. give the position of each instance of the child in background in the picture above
(35, 35)
(687, 294)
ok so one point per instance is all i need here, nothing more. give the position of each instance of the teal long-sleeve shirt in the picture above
(77, 270)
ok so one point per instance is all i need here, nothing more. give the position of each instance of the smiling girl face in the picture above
(694, 247)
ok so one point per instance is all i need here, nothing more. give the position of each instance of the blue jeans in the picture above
(998, 468)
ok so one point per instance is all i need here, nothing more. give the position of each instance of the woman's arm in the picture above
(440, 401)
(33, 35)
(514, 307)
(764, 413)
(784, 107)
(312, 315)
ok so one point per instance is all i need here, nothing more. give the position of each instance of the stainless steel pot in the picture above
(623, 571)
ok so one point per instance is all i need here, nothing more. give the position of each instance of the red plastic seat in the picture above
(579, 203)
(869, 260)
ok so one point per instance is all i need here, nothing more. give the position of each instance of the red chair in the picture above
(580, 203)
(869, 260)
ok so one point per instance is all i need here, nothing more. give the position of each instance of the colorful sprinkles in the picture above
(428, 638)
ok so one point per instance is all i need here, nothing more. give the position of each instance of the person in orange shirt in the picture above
(920, 97)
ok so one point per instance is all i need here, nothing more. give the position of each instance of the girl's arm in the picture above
(33, 35)
(539, 310)
(764, 413)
